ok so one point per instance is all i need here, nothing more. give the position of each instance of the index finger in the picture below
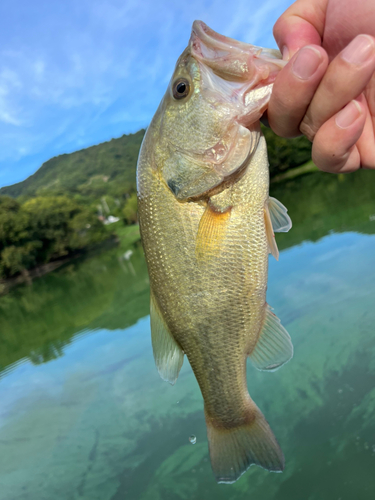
(302, 24)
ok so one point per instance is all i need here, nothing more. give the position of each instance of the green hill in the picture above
(106, 169)
(59, 210)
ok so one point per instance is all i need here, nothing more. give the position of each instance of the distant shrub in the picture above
(284, 154)
(129, 211)
(43, 229)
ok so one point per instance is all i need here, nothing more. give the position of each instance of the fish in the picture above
(207, 226)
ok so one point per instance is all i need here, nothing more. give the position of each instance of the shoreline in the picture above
(123, 236)
(28, 275)
(117, 239)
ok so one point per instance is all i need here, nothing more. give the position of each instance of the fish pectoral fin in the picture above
(168, 354)
(211, 232)
(272, 246)
(281, 222)
(274, 346)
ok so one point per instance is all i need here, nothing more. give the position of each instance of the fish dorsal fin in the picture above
(272, 246)
(168, 354)
(274, 346)
(281, 222)
(211, 232)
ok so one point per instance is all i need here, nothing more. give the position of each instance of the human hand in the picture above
(327, 90)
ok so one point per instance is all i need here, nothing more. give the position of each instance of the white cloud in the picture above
(75, 73)
(8, 114)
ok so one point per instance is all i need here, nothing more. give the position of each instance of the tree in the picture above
(16, 259)
(284, 154)
(42, 229)
(129, 211)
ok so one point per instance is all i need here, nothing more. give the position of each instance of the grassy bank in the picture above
(127, 235)
(307, 168)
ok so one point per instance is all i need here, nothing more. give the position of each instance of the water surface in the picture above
(84, 414)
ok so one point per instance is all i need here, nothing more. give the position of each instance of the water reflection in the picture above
(96, 422)
(105, 291)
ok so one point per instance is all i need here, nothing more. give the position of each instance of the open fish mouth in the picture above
(242, 73)
(233, 60)
(238, 77)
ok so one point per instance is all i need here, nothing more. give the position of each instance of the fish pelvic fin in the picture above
(274, 346)
(211, 232)
(168, 354)
(234, 448)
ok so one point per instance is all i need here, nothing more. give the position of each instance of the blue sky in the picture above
(74, 73)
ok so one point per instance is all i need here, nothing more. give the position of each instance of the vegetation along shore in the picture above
(76, 202)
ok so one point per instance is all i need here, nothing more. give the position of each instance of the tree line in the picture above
(43, 229)
(61, 208)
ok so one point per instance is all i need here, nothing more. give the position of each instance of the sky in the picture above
(74, 73)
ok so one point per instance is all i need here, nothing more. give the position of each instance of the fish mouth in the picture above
(233, 60)
(241, 73)
(239, 77)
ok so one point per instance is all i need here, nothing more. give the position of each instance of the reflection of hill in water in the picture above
(106, 291)
(320, 203)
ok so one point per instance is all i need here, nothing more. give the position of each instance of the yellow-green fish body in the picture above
(206, 223)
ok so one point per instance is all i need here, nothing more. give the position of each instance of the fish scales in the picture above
(206, 241)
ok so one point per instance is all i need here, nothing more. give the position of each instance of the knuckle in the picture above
(281, 29)
(308, 129)
(277, 29)
(368, 163)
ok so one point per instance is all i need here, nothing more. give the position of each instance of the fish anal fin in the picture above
(274, 346)
(235, 448)
(281, 222)
(168, 354)
(272, 246)
(211, 232)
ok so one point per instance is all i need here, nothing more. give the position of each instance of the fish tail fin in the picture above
(235, 448)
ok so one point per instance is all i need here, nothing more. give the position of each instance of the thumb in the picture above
(302, 24)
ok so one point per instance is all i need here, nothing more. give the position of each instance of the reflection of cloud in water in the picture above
(329, 255)
(316, 285)
(106, 385)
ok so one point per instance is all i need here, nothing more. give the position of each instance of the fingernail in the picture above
(348, 115)
(285, 53)
(306, 63)
(359, 50)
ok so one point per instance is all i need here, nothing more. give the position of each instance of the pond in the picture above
(84, 414)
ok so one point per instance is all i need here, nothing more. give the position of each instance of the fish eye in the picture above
(181, 88)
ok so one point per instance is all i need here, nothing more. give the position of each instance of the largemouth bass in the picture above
(207, 226)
